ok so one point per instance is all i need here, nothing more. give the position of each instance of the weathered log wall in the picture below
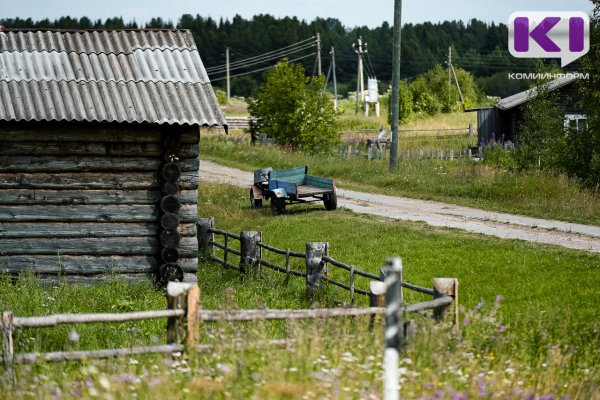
(85, 199)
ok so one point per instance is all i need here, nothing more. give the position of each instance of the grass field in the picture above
(486, 185)
(530, 325)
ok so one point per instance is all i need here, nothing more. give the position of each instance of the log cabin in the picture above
(99, 142)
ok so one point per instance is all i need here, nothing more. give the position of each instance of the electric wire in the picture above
(265, 55)
(262, 69)
(261, 61)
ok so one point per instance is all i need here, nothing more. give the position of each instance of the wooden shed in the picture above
(500, 124)
(99, 134)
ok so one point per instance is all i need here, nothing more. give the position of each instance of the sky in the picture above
(352, 13)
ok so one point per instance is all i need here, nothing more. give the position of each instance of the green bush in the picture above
(292, 109)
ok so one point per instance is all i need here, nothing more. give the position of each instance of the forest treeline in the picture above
(477, 47)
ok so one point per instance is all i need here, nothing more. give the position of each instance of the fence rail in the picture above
(316, 259)
(185, 316)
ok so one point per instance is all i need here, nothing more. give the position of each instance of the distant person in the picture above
(381, 138)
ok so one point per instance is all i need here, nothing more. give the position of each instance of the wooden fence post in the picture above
(394, 327)
(315, 266)
(251, 251)
(7, 341)
(204, 236)
(183, 329)
(446, 287)
(470, 130)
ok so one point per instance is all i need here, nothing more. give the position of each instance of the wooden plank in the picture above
(98, 149)
(66, 197)
(319, 182)
(45, 132)
(92, 181)
(147, 246)
(89, 265)
(92, 213)
(85, 164)
(86, 229)
(48, 321)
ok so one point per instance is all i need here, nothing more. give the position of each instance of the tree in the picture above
(587, 145)
(430, 91)
(541, 142)
(292, 109)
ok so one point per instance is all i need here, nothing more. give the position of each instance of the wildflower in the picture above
(501, 328)
(466, 321)
(104, 382)
(499, 298)
(74, 336)
(133, 361)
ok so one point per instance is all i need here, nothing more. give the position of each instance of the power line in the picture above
(277, 56)
(263, 69)
(263, 55)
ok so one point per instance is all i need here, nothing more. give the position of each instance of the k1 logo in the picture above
(546, 34)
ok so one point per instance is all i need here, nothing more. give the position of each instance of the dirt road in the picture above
(508, 226)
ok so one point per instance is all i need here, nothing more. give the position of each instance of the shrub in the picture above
(292, 109)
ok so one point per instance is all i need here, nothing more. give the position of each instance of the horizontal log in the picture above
(428, 305)
(146, 246)
(30, 164)
(92, 180)
(86, 229)
(48, 197)
(88, 265)
(282, 252)
(278, 268)
(98, 149)
(27, 358)
(89, 280)
(92, 213)
(344, 286)
(90, 133)
(62, 319)
(270, 314)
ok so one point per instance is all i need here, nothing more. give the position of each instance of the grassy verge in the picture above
(463, 182)
(539, 339)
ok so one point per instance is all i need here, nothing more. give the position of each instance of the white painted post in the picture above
(394, 327)
(451, 155)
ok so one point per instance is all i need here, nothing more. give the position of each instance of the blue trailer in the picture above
(289, 186)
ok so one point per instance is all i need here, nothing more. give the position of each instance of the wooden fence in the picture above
(183, 320)
(377, 153)
(317, 262)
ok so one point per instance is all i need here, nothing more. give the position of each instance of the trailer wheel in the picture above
(277, 205)
(254, 203)
(330, 202)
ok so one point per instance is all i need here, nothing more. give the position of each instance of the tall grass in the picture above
(538, 338)
(464, 182)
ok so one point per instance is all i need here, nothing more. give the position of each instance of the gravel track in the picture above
(502, 225)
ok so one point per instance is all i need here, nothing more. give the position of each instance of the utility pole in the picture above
(449, 68)
(462, 100)
(395, 85)
(360, 83)
(227, 68)
(319, 54)
(335, 97)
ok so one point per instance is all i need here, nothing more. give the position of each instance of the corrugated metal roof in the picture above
(111, 76)
(522, 97)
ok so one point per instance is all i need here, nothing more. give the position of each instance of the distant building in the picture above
(99, 135)
(500, 124)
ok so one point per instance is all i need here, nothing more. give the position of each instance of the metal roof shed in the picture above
(501, 123)
(99, 136)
